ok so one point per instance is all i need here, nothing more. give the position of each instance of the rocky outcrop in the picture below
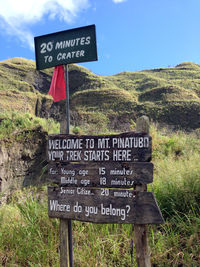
(22, 160)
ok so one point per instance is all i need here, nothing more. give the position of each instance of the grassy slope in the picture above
(21, 86)
(169, 96)
(176, 173)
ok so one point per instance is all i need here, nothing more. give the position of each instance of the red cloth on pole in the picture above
(58, 88)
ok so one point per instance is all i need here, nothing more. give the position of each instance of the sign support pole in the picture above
(67, 132)
(85, 51)
(66, 242)
(67, 99)
(142, 249)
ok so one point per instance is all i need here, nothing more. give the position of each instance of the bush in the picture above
(15, 122)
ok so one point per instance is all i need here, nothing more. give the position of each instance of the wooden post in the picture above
(64, 243)
(64, 231)
(67, 131)
(141, 231)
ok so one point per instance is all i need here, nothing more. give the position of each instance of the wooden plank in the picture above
(125, 147)
(101, 174)
(103, 205)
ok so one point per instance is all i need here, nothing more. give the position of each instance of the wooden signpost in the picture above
(92, 177)
(95, 176)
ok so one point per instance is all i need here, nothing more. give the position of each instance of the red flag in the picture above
(58, 89)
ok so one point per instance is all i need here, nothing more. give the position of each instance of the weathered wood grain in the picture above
(101, 174)
(64, 244)
(103, 205)
(142, 250)
(125, 147)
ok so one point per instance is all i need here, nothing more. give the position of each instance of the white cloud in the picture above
(17, 15)
(118, 1)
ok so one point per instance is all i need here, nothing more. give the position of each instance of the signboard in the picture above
(65, 47)
(95, 174)
(101, 174)
(126, 147)
(103, 205)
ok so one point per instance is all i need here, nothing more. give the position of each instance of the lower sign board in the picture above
(103, 205)
(101, 174)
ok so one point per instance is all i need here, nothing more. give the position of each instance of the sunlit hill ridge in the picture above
(169, 96)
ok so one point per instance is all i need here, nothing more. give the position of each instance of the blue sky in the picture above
(132, 35)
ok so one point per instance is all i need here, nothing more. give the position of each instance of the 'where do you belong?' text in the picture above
(103, 205)
(92, 204)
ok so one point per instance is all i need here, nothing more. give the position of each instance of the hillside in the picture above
(169, 96)
(99, 104)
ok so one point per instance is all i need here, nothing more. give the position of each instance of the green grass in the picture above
(16, 123)
(176, 186)
(177, 242)
(28, 237)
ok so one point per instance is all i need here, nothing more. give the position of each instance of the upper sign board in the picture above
(126, 147)
(65, 47)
